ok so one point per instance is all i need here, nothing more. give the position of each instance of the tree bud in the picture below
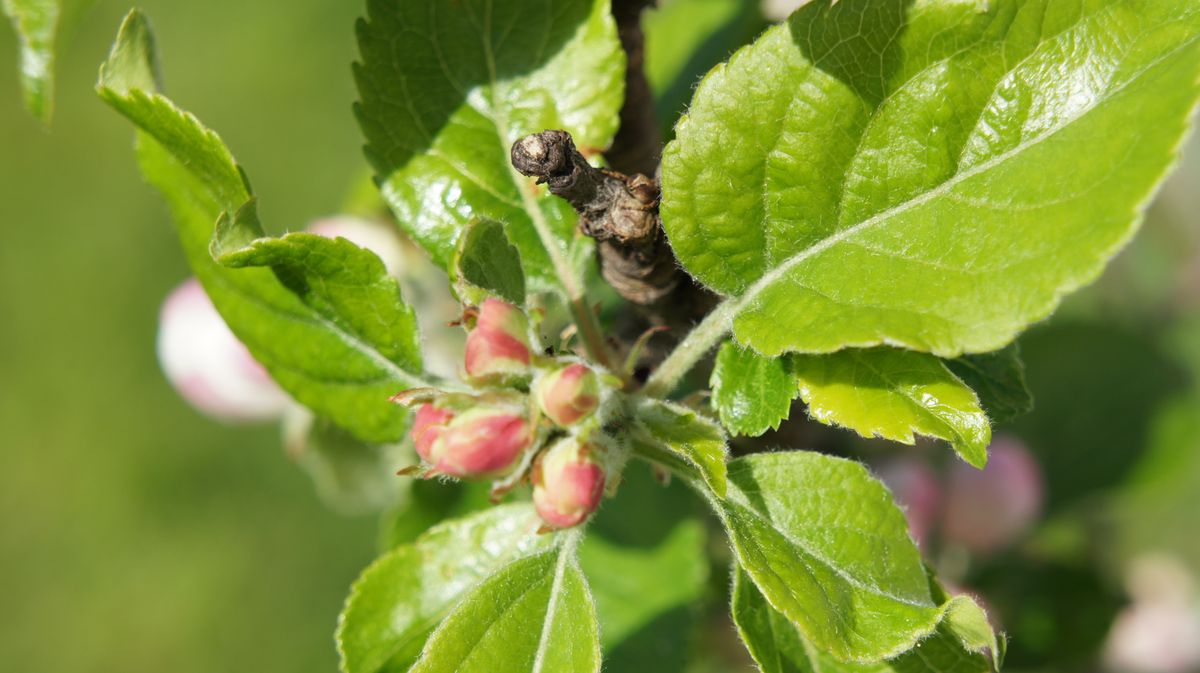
(478, 443)
(429, 425)
(498, 347)
(569, 395)
(207, 364)
(567, 484)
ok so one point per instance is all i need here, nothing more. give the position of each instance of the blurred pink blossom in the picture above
(207, 364)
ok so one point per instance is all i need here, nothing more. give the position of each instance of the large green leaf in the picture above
(36, 23)
(751, 393)
(447, 86)
(828, 548)
(680, 439)
(999, 380)
(893, 393)
(321, 356)
(957, 646)
(534, 616)
(924, 173)
(401, 598)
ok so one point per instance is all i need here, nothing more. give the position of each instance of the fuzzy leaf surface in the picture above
(36, 23)
(399, 600)
(849, 577)
(534, 616)
(681, 439)
(928, 174)
(778, 647)
(446, 87)
(320, 361)
(751, 393)
(894, 394)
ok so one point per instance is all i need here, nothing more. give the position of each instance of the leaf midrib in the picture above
(780, 271)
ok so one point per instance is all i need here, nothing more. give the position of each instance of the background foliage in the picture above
(135, 533)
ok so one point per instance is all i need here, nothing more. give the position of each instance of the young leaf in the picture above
(403, 596)
(486, 265)
(999, 380)
(635, 587)
(893, 393)
(346, 285)
(534, 616)
(849, 577)
(679, 438)
(930, 175)
(447, 86)
(36, 23)
(751, 393)
(778, 646)
(320, 361)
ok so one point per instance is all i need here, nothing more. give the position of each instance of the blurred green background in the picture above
(136, 534)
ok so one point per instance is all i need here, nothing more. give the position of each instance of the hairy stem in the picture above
(695, 346)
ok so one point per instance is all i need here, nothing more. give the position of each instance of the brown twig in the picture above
(637, 147)
(621, 213)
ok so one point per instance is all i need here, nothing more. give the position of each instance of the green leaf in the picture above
(487, 265)
(933, 175)
(447, 86)
(751, 393)
(534, 616)
(324, 363)
(635, 587)
(36, 23)
(346, 285)
(398, 601)
(848, 576)
(680, 439)
(893, 393)
(957, 646)
(998, 379)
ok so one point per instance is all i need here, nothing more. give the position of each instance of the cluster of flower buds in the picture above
(532, 416)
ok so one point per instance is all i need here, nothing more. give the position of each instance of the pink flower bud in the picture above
(987, 510)
(567, 484)
(480, 443)
(207, 364)
(569, 395)
(498, 347)
(428, 427)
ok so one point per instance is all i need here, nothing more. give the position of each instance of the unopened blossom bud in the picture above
(568, 483)
(429, 424)
(479, 443)
(498, 347)
(207, 364)
(569, 395)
